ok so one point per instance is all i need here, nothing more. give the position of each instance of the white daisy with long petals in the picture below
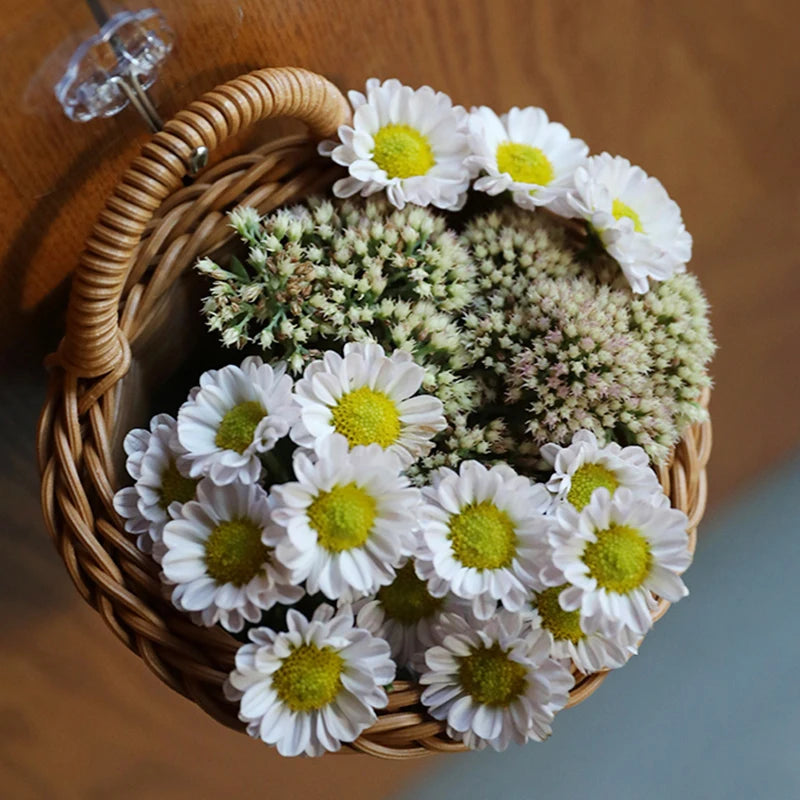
(523, 152)
(585, 465)
(590, 652)
(484, 536)
(157, 464)
(617, 553)
(236, 414)
(348, 519)
(493, 682)
(219, 557)
(369, 398)
(637, 221)
(313, 687)
(409, 143)
(405, 614)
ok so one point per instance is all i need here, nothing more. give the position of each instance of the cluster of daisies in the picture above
(282, 510)
(419, 148)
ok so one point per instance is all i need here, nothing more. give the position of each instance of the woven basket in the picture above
(128, 322)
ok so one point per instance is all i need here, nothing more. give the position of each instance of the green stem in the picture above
(275, 468)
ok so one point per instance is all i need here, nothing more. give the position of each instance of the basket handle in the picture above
(93, 344)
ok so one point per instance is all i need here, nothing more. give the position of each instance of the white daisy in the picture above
(404, 613)
(219, 557)
(409, 143)
(349, 519)
(484, 536)
(235, 414)
(313, 687)
(157, 464)
(526, 154)
(493, 682)
(584, 466)
(617, 552)
(638, 222)
(590, 652)
(367, 397)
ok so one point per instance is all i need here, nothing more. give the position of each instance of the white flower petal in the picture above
(434, 118)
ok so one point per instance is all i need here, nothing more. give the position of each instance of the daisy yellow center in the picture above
(407, 599)
(238, 426)
(175, 488)
(402, 151)
(342, 517)
(620, 559)
(235, 553)
(482, 536)
(586, 479)
(309, 678)
(524, 163)
(365, 416)
(620, 210)
(562, 624)
(491, 678)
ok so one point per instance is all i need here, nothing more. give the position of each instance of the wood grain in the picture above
(701, 95)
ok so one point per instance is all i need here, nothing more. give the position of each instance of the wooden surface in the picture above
(703, 95)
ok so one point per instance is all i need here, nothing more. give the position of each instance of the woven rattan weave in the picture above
(125, 295)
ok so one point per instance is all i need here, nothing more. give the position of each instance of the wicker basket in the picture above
(127, 324)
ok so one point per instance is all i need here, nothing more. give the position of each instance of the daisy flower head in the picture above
(219, 557)
(493, 682)
(348, 519)
(237, 413)
(616, 554)
(523, 152)
(368, 398)
(637, 221)
(484, 536)
(409, 143)
(404, 613)
(584, 466)
(157, 464)
(590, 652)
(311, 688)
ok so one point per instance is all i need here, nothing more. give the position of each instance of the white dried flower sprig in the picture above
(475, 323)
(583, 368)
(575, 346)
(672, 322)
(321, 272)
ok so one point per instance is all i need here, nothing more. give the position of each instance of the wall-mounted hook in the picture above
(116, 66)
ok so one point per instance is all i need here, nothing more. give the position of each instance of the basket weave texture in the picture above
(152, 229)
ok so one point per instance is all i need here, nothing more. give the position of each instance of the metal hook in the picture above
(127, 81)
(139, 99)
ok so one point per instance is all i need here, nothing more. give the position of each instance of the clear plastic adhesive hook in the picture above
(115, 66)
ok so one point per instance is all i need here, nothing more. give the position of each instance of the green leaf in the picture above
(238, 269)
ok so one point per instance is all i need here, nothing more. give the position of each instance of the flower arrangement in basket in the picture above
(434, 502)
